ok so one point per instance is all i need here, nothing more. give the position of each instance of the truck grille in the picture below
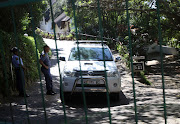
(93, 82)
(90, 73)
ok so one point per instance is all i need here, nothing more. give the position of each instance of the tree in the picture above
(22, 17)
(143, 16)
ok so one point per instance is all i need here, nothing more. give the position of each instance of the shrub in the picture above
(69, 37)
(174, 43)
(144, 79)
(46, 35)
(42, 34)
(123, 51)
(38, 31)
(28, 54)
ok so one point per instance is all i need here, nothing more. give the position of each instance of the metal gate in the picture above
(12, 3)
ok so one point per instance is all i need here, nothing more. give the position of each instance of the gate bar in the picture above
(34, 35)
(17, 44)
(161, 54)
(131, 59)
(5, 73)
(57, 55)
(16, 2)
(101, 37)
(11, 110)
(79, 57)
(4, 65)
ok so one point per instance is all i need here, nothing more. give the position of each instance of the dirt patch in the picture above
(171, 74)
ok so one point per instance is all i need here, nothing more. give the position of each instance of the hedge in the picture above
(28, 54)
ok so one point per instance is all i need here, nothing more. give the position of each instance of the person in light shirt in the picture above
(19, 71)
(46, 65)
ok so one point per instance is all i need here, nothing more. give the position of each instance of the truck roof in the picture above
(91, 43)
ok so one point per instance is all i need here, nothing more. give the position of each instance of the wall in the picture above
(46, 26)
(66, 29)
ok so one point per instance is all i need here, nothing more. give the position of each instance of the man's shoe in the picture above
(22, 95)
(49, 93)
(27, 95)
(53, 92)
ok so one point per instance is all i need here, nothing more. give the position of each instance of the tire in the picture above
(67, 97)
(115, 96)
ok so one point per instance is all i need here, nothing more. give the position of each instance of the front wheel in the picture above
(67, 96)
(115, 96)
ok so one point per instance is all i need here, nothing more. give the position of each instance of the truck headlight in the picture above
(112, 73)
(69, 73)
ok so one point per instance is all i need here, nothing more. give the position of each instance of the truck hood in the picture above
(89, 65)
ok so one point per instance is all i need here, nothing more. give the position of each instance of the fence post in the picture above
(103, 52)
(79, 57)
(57, 55)
(131, 59)
(161, 54)
(21, 70)
(38, 65)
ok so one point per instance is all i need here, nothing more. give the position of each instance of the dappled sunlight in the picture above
(149, 103)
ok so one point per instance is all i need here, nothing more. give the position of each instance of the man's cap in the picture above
(46, 46)
(15, 49)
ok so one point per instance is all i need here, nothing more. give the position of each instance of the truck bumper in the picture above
(73, 84)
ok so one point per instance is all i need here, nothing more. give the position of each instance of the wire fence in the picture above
(77, 35)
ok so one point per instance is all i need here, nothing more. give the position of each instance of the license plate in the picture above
(91, 81)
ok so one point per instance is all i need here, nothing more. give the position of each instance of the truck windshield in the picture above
(90, 54)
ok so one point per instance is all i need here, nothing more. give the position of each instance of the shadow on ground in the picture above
(96, 100)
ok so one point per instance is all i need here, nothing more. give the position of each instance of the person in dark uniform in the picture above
(19, 71)
(46, 64)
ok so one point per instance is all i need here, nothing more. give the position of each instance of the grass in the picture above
(144, 79)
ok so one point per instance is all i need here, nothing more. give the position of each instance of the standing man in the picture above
(46, 64)
(19, 67)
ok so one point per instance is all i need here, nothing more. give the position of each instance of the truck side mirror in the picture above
(62, 58)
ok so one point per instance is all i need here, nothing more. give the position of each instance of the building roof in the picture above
(67, 18)
(61, 18)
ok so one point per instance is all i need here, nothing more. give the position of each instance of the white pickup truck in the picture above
(92, 73)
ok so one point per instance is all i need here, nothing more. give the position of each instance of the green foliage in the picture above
(28, 54)
(38, 31)
(62, 37)
(21, 14)
(123, 50)
(46, 35)
(69, 37)
(25, 21)
(51, 36)
(22, 21)
(144, 79)
(143, 16)
(57, 8)
(173, 43)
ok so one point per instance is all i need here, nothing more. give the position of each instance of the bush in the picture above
(46, 35)
(38, 31)
(69, 37)
(144, 79)
(173, 43)
(123, 51)
(62, 37)
(28, 54)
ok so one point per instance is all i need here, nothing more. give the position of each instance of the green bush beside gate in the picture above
(28, 54)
